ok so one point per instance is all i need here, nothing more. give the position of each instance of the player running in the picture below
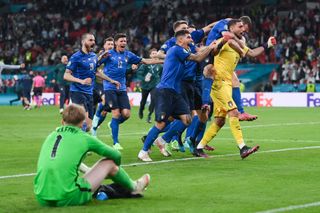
(81, 70)
(115, 66)
(102, 109)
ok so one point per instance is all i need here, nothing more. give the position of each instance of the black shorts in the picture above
(83, 99)
(96, 96)
(191, 94)
(117, 99)
(37, 91)
(169, 103)
(26, 93)
(197, 98)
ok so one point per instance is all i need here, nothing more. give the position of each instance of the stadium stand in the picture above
(38, 38)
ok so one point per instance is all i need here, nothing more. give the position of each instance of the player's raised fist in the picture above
(272, 41)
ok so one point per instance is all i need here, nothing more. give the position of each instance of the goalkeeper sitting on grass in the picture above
(58, 183)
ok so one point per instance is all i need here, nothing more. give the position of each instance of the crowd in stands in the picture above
(44, 30)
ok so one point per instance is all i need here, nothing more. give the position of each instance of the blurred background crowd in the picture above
(38, 33)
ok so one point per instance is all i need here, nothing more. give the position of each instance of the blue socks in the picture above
(168, 124)
(99, 109)
(176, 128)
(115, 130)
(201, 133)
(152, 135)
(236, 96)
(206, 89)
(115, 122)
(192, 126)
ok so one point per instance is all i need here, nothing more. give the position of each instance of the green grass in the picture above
(223, 183)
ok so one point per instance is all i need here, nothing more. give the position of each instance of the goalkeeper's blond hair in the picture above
(74, 114)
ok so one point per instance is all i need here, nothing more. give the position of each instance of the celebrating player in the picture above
(224, 63)
(98, 93)
(81, 71)
(170, 102)
(115, 66)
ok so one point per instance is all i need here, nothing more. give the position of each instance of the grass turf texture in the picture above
(223, 183)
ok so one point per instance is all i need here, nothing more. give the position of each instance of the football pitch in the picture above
(283, 176)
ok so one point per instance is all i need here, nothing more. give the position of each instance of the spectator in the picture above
(268, 87)
(274, 77)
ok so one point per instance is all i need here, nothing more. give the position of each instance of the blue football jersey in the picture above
(115, 67)
(82, 66)
(216, 32)
(196, 35)
(173, 68)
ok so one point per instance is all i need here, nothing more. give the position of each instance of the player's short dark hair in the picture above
(74, 114)
(108, 39)
(246, 20)
(233, 22)
(192, 26)
(181, 33)
(178, 23)
(84, 36)
(151, 50)
(119, 35)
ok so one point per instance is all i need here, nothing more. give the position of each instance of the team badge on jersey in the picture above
(163, 46)
(91, 66)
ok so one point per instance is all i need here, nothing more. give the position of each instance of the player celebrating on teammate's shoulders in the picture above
(225, 62)
(170, 103)
(115, 66)
(57, 182)
(216, 32)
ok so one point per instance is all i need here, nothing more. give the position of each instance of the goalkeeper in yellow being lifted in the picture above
(225, 61)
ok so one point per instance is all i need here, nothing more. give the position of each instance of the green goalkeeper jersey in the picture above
(60, 157)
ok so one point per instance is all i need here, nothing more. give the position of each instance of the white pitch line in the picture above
(243, 127)
(289, 208)
(16, 176)
(185, 159)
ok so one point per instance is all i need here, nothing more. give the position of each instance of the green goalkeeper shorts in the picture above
(75, 198)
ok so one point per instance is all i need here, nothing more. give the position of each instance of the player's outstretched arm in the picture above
(151, 61)
(257, 51)
(69, 77)
(235, 45)
(12, 67)
(161, 54)
(203, 53)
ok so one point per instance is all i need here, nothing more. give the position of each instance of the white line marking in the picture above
(242, 126)
(289, 208)
(185, 159)
(15, 176)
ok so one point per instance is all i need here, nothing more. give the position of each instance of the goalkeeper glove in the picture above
(270, 43)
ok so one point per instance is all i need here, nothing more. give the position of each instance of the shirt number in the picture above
(55, 146)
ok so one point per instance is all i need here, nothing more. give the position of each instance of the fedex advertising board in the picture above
(249, 99)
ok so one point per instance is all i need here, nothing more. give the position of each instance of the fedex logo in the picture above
(258, 100)
(50, 99)
(311, 101)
